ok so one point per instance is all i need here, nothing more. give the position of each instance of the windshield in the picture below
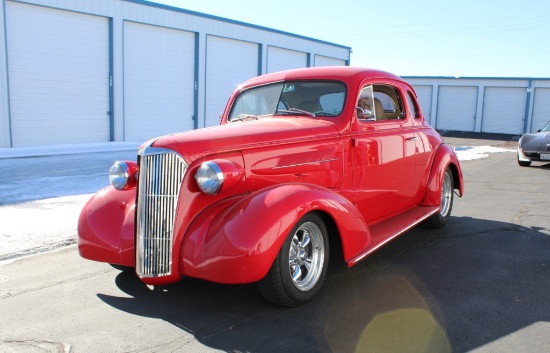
(546, 127)
(309, 98)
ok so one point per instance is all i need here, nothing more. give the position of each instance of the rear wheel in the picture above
(441, 218)
(298, 272)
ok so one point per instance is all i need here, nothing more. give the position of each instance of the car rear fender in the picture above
(237, 240)
(444, 158)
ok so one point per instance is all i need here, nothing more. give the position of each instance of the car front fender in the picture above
(522, 141)
(106, 227)
(444, 158)
(236, 240)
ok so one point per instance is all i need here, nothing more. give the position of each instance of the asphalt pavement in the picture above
(480, 284)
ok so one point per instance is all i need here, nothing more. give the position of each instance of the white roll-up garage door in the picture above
(541, 108)
(424, 95)
(326, 61)
(456, 108)
(229, 62)
(159, 81)
(279, 59)
(504, 110)
(58, 66)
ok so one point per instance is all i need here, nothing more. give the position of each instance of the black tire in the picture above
(307, 243)
(523, 163)
(441, 218)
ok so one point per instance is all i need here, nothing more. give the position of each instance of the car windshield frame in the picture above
(312, 98)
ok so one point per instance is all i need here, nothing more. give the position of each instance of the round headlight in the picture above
(119, 174)
(209, 177)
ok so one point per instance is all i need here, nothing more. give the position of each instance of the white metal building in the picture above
(128, 70)
(490, 105)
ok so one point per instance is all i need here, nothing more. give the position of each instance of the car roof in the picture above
(340, 73)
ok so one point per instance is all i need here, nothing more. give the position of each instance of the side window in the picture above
(364, 106)
(412, 105)
(388, 104)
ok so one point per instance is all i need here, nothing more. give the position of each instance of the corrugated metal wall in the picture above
(492, 105)
(132, 46)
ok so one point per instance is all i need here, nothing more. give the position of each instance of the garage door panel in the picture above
(541, 108)
(229, 62)
(424, 95)
(159, 66)
(327, 61)
(58, 66)
(457, 108)
(279, 59)
(504, 110)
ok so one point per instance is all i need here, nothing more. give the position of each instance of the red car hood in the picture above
(243, 135)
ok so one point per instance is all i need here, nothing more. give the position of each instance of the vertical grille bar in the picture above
(160, 174)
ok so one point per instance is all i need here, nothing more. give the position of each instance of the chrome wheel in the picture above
(306, 256)
(299, 270)
(441, 218)
(446, 195)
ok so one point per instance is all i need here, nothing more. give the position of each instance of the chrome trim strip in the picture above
(306, 163)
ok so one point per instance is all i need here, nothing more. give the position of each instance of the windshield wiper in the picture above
(242, 117)
(299, 111)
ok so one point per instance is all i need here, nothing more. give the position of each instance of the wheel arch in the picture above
(236, 241)
(457, 177)
(334, 235)
(445, 158)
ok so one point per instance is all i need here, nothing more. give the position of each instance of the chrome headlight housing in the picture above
(209, 178)
(119, 173)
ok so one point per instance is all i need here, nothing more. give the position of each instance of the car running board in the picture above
(383, 232)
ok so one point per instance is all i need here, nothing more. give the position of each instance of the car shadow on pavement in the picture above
(540, 166)
(448, 290)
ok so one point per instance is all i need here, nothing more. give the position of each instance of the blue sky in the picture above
(468, 38)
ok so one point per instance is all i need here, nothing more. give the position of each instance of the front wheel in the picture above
(299, 270)
(441, 218)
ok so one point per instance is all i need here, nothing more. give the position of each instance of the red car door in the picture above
(384, 160)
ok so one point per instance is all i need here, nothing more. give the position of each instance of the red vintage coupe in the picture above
(299, 156)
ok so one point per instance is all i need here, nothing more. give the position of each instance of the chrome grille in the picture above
(160, 174)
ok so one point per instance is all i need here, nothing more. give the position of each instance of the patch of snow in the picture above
(38, 226)
(469, 153)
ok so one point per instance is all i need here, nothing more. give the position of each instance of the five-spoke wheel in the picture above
(300, 267)
(439, 219)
